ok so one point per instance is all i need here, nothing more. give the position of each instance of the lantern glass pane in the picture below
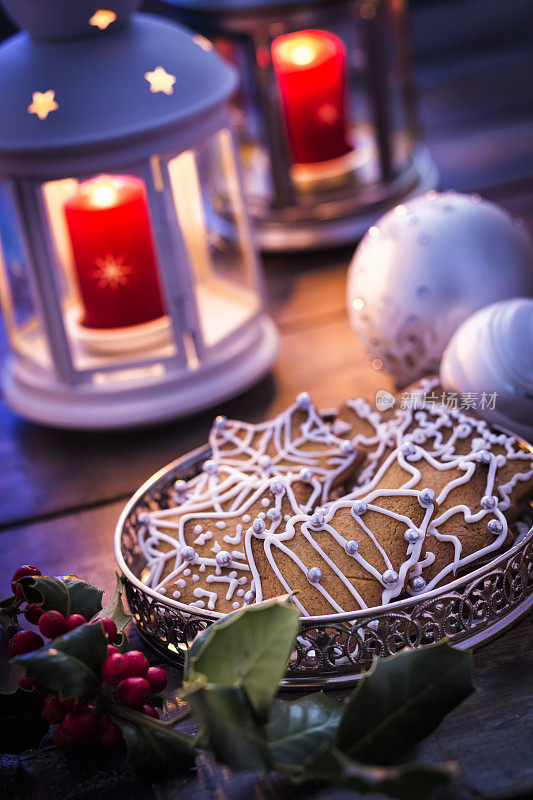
(211, 215)
(21, 314)
(107, 273)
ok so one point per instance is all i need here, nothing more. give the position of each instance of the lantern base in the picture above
(342, 221)
(153, 396)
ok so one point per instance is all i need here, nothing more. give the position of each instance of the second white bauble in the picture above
(425, 267)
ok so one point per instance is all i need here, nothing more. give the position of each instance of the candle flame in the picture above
(103, 193)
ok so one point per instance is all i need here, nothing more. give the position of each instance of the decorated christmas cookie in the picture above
(294, 441)
(190, 553)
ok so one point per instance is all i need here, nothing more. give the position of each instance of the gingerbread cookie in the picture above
(207, 547)
(296, 440)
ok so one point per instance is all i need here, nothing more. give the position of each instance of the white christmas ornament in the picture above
(423, 268)
(491, 355)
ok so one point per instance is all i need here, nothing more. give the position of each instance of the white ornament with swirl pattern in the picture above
(423, 268)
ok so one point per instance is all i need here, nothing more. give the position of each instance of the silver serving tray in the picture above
(333, 649)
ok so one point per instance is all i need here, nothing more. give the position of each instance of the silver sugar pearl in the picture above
(347, 448)
(408, 449)
(303, 401)
(249, 597)
(351, 547)
(276, 487)
(188, 553)
(144, 518)
(495, 526)
(427, 497)
(274, 514)
(264, 461)
(411, 536)
(210, 466)
(359, 507)
(306, 474)
(180, 486)
(223, 558)
(418, 584)
(317, 520)
(390, 577)
(258, 526)
(483, 457)
(221, 422)
(488, 502)
(314, 575)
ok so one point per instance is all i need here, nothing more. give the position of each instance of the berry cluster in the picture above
(130, 679)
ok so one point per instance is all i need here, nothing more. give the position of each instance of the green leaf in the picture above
(85, 598)
(71, 664)
(153, 746)
(51, 593)
(230, 727)
(298, 728)
(250, 648)
(402, 700)
(114, 608)
(69, 595)
(10, 673)
(21, 724)
(406, 782)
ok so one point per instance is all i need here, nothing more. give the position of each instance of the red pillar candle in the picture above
(114, 258)
(310, 68)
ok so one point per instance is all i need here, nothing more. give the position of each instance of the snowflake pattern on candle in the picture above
(160, 80)
(112, 272)
(102, 18)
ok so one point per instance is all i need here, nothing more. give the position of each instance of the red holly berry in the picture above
(21, 572)
(110, 629)
(33, 612)
(61, 739)
(54, 709)
(150, 711)
(81, 723)
(134, 692)
(52, 624)
(114, 669)
(24, 642)
(109, 733)
(111, 649)
(157, 678)
(74, 621)
(135, 664)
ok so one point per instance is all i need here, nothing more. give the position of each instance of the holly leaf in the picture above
(51, 593)
(249, 648)
(402, 700)
(10, 673)
(405, 782)
(85, 598)
(298, 728)
(21, 724)
(230, 727)
(153, 746)
(114, 608)
(69, 595)
(71, 664)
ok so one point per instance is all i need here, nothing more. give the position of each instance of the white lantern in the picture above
(129, 282)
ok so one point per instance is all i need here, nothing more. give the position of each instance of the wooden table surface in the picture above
(61, 492)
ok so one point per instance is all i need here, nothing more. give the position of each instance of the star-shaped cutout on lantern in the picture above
(111, 271)
(160, 80)
(43, 103)
(102, 18)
